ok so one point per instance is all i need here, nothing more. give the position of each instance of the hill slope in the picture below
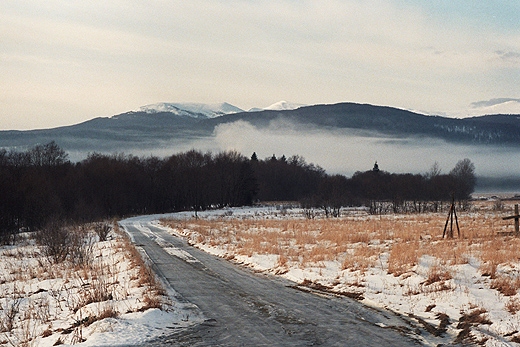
(493, 129)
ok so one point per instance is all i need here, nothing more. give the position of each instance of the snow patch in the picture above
(279, 106)
(283, 105)
(196, 110)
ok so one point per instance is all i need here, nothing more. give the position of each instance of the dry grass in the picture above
(361, 258)
(80, 288)
(437, 274)
(358, 241)
(403, 257)
(506, 285)
(513, 305)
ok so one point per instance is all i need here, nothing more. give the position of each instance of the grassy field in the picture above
(357, 240)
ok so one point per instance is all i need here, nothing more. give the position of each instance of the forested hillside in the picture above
(41, 186)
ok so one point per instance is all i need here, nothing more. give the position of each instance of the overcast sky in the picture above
(66, 61)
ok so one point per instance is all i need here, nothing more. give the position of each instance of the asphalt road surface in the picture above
(243, 308)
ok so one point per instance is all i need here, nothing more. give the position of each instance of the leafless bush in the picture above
(102, 230)
(55, 240)
(60, 242)
(81, 246)
(11, 310)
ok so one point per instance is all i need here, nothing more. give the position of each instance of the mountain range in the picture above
(153, 125)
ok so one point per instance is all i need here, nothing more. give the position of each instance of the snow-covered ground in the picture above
(107, 298)
(460, 290)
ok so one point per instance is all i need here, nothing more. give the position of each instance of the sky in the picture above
(64, 62)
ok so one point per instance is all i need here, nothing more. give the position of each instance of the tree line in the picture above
(384, 192)
(41, 185)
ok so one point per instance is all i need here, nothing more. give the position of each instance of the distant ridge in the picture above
(175, 124)
(390, 121)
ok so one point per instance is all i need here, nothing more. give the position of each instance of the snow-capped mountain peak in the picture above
(196, 110)
(279, 106)
(199, 110)
(283, 105)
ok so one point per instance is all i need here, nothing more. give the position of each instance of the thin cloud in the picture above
(513, 57)
(493, 102)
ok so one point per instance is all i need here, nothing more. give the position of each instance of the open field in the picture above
(462, 289)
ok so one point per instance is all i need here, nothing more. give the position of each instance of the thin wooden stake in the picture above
(446, 225)
(450, 220)
(456, 222)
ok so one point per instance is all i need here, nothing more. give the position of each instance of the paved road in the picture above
(248, 309)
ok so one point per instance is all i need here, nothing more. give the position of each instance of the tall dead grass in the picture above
(357, 242)
(403, 257)
(361, 258)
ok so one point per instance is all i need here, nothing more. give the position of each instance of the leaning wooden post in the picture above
(516, 217)
(450, 220)
(456, 221)
(446, 224)
(516, 221)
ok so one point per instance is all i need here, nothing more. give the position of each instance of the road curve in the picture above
(243, 308)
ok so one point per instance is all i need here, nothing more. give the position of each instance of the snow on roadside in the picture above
(101, 302)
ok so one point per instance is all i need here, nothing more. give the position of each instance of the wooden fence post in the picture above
(516, 217)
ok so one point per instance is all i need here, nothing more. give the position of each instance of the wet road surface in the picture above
(243, 308)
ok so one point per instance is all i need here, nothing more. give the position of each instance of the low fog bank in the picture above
(347, 151)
